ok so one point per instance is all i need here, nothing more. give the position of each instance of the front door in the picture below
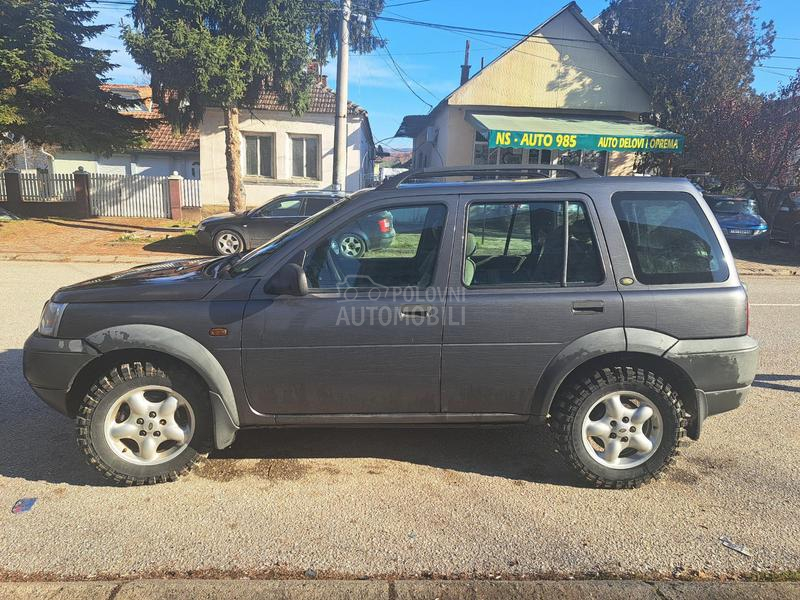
(275, 217)
(367, 337)
(518, 306)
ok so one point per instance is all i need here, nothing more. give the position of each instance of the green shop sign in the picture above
(584, 141)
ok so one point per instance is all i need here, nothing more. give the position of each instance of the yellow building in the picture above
(562, 95)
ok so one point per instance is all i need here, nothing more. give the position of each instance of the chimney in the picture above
(465, 66)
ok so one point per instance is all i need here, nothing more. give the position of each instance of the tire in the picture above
(586, 405)
(140, 395)
(352, 245)
(228, 241)
(795, 241)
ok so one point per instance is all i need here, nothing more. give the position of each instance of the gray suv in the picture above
(607, 307)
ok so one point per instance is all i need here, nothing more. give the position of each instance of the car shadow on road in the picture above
(769, 382)
(524, 453)
(179, 244)
(38, 444)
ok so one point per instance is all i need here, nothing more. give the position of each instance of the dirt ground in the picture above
(102, 235)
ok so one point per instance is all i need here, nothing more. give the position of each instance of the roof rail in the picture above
(393, 182)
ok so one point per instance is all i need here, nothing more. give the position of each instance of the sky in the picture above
(432, 58)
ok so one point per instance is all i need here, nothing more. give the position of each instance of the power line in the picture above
(400, 71)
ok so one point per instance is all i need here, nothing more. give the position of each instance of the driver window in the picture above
(393, 247)
(282, 208)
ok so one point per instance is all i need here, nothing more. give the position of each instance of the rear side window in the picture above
(523, 243)
(314, 205)
(669, 238)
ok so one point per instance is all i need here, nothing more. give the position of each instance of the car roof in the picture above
(589, 186)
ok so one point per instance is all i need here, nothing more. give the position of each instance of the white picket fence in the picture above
(110, 195)
(129, 196)
(58, 187)
(190, 193)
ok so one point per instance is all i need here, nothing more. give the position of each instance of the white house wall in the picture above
(540, 73)
(213, 177)
(151, 164)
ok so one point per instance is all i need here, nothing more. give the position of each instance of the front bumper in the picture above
(51, 364)
(722, 371)
(757, 235)
(203, 238)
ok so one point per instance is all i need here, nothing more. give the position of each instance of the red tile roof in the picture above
(161, 137)
(323, 100)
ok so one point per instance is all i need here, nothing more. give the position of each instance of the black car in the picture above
(579, 302)
(230, 233)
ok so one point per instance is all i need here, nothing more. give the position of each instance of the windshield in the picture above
(257, 256)
(736, 206)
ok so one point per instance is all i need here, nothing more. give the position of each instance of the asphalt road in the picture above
(402, 502)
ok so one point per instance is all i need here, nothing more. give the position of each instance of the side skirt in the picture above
(400, 419)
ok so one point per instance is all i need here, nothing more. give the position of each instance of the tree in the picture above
(222, 53)
(698, 55)
(50, 80)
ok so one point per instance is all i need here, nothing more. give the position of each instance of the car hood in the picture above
(740, 220)
(228, 216)
(187, 279)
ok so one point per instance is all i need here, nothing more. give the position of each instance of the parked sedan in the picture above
(230, 233)
(739, 219)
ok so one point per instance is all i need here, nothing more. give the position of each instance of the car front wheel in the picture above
(618, 427)
(228, 242)
(142, 424)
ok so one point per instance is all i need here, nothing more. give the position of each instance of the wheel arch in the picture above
(153, 342)
(637, 348)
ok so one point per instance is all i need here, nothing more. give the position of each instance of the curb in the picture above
(396, 590)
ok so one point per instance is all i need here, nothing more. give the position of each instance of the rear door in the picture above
(513, 305)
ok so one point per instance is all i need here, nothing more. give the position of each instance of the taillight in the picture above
(747, 313)
(384, 225)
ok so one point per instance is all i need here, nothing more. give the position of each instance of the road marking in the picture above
(775, 305)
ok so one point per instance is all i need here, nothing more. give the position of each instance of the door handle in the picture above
(586, 307)
(415, 310)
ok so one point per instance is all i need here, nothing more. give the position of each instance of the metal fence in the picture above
(190, 193)
(129, 196)
(58, 187)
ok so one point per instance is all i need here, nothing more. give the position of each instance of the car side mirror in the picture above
(289, 280)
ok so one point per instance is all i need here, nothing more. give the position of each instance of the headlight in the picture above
(201, 226)
(51, 318)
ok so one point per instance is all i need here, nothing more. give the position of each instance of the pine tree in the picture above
(221, 53)
(50, 80)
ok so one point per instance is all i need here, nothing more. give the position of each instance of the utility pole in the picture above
(340, 127)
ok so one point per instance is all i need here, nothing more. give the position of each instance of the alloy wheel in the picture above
(149, 425)
(352, 246)
(228, 243)
(622, 430)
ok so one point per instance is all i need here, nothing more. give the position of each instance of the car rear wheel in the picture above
(141, 424)
(228, 242)
(618, 427)
(352, 245)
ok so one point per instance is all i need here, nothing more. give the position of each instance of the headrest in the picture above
(472, 244)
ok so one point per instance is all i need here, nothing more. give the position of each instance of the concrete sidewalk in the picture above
(396, 590)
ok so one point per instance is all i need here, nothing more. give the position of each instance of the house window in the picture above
(483, 155)
(589, 159)
(259, 155)
(305, 157)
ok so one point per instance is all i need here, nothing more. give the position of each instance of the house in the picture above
(561, 95)
(163, 153)
(283, 152)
